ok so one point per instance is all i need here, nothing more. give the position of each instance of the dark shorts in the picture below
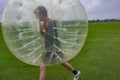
(53, 57)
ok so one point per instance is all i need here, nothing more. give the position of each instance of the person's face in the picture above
(40, 16)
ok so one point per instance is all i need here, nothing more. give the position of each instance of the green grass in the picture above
(99, 59)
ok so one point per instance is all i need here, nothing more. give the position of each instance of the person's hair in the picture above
(41, 10)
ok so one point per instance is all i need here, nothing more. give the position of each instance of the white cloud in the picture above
(94, 3)
(90, 4)
(2, 6)
(102, 9)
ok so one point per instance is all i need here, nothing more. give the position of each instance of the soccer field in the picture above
(99, 59)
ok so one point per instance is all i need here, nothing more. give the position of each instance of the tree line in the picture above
(105, 20)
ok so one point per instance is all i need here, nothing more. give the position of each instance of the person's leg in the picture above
(68, 66)
(43, 72)
(71, 68)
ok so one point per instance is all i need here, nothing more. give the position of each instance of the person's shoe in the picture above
(76, 77)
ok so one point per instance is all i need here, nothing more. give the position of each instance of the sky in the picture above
(102, 9)
(95, 9)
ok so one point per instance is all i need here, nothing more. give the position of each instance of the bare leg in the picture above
(68, 66)
(43, 72)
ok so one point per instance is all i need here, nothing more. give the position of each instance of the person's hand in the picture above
(43, 29)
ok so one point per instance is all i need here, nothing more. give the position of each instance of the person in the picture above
(52, 44)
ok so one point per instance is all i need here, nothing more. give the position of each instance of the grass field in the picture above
(99, 59)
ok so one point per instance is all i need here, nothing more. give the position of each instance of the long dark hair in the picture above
(41, 10)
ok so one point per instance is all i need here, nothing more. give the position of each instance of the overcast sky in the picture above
(102, 9)
(96, 9)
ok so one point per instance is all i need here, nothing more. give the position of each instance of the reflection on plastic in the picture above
(38, 42)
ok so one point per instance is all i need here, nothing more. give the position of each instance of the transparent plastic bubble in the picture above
(44, 32)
